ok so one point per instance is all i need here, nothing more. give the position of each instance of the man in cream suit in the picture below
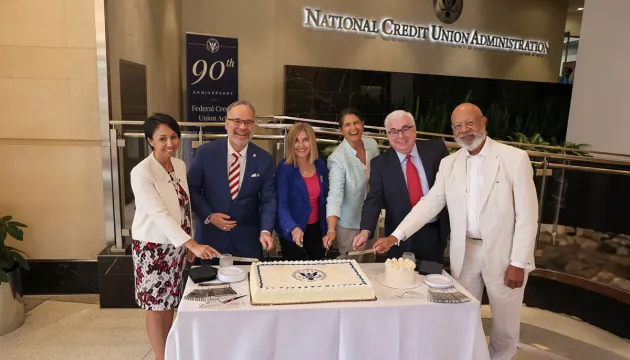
(489, 190)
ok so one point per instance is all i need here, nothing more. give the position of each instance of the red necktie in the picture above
(234, 176)
(413, 183)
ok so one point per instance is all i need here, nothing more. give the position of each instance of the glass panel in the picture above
(591, 238)
(136, 149)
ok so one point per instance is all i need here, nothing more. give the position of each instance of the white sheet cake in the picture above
(297, 282)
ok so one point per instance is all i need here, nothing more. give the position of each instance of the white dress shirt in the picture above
(474, 181)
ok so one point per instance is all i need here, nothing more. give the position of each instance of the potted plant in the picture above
(11, 303)
(571, 145)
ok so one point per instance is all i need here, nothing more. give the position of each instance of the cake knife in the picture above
(361, 252)
(232, 299)
(242, 259)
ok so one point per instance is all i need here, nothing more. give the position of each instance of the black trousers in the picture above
(425, 244)
(313, 247)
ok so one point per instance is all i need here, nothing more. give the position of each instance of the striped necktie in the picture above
(234, 175)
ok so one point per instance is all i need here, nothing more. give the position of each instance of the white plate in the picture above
(438, 281)
(231, 274)
(381, 280)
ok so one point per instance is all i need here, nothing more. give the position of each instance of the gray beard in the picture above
(479, 139)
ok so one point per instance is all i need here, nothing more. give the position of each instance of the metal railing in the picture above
(445, 136)
(544, 163)
(277, 123)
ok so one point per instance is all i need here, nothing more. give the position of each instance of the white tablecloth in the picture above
(387, 329)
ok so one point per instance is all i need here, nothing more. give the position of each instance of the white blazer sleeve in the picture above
(526, 212)
(426, 209)
(147, 196)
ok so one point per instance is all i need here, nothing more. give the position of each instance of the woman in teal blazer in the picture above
(349, 174)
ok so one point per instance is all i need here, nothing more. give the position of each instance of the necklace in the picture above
(305, 172)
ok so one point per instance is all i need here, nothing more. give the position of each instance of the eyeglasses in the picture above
(402, 131)
(240, 122)
(468, 124)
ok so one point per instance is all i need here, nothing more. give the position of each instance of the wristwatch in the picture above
(207, 221)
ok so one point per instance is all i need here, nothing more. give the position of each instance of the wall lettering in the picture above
(389, 28)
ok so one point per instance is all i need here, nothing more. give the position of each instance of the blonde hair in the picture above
(294, 131)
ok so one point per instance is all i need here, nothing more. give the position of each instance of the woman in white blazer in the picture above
(162, 229)
(349, 174)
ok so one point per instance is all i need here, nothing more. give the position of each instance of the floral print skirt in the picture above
(158, 270)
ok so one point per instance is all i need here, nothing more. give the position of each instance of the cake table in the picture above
(389, 328)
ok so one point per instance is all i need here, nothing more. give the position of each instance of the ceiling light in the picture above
(580, 9)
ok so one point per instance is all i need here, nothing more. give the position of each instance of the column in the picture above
(601, 92)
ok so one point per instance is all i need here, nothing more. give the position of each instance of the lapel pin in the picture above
(254, 155)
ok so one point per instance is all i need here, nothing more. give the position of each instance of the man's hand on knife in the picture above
(383, 245)
(358, 243)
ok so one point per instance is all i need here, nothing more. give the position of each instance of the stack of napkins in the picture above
(442, 290)
(205, 292)
(448, 295)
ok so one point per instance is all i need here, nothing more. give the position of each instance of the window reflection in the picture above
(569, 59)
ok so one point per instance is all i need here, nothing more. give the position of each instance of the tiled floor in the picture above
(546, 335)
(74, 327)
(59, 329)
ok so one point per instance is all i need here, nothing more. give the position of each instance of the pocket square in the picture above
(255, 175)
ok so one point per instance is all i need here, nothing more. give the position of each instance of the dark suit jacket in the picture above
(294, 206)
(253, 209)
(388, 190)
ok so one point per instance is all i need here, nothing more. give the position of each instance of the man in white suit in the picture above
(489, 190)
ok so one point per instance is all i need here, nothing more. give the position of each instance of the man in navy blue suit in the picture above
(232, 189)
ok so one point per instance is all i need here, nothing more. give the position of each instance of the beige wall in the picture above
(574, 24)
(251, 21)
(271, 35)
(147, 32)
(599, 111)
(50, 158)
